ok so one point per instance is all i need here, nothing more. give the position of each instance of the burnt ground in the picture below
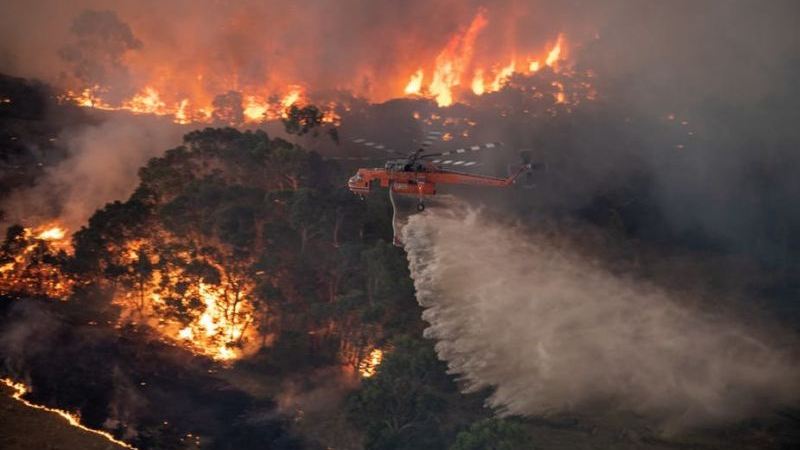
(26, 428)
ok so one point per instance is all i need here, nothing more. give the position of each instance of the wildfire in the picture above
(214, 320)
(453, 61)
(455, 65)
(197, 94)
(148, 102)
(212, 333)
(477, 83)
(73, 419)
(555, 54)
(502, 76)
(369, 365)
(52, 233)
(256, 107)
(28, 262)
(415, 83)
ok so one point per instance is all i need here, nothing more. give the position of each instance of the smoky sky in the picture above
(728, 69)
(325, 44)
(360, 44)
(666, 55)
(101, 166)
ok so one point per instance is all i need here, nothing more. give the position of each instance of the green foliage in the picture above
(263, 218)
(308, 120)
(400, 406)
(492, 434)
(386, 272)
(97, 245)
(303, 120)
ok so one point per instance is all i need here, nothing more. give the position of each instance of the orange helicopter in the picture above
(418, 175)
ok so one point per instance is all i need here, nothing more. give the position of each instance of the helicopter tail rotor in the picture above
(527, 178)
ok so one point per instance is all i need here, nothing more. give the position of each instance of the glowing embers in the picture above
(255, 106)
(369, 365)
(51, 233)
(148, 102)
(73, 419)
(215, 319)
(219, 330)
(30, 262)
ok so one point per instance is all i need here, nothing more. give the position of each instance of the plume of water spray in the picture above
(553, 333)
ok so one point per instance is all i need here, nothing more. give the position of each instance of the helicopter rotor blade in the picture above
(430, 138)
(373, 144)
(352, 158)
(473, 148)
(456, 162)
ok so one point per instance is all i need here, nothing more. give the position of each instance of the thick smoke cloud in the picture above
(728, 69)
(101, 166)
(555, 333)
(677, 52)
(359, 45)
(99, 42)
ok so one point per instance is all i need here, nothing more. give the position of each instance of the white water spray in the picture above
(554, 333)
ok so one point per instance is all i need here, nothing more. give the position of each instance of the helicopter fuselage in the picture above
(419, 179)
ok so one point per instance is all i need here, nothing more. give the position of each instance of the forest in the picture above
(242, 298)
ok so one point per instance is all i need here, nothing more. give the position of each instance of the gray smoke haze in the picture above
(556, 333)
(102, 166)
(30, 330)
(100, 41)
(728, 68)
(689, 48)
(353, 44)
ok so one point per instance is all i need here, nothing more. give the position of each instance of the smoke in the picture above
(314, 401)
(366, 47)
(101, 166)
(729, 70)
(100, 40)
(29, 330)
(126, 405)
(553, 332)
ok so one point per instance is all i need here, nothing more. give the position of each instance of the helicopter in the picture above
(419, 175)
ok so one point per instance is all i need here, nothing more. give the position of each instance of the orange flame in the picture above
(555, 54)
(73, 419)
(52, 233)
(453, 60)
(26, 270)
(477, 83)
(415, 83)
(187, 95)
(255, 108)
(369, 365)
(502, 75)
(217, 320)
(147, 102)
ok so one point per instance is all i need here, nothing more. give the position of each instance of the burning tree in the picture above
(235, 242)
(33, 262)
